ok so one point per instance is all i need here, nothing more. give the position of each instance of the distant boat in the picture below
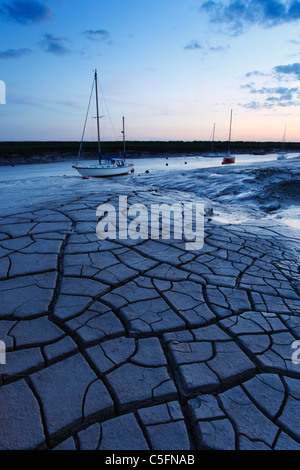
(228, 158)
(282, 155)
(212, 153)
(259, 152)
(107, 166)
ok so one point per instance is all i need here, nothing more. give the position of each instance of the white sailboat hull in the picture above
(99, 171)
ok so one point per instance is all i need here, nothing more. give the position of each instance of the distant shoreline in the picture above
(18, 153)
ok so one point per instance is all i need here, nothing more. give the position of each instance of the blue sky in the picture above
(172, 67)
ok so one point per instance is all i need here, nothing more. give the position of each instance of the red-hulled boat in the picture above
(228, 159)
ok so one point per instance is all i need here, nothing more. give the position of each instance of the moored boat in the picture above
(228, 158)
(282, 155)
(212, 153)
(107, 166)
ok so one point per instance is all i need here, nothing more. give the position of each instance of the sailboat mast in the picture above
(98, 118)
(283, 139)
(123, 136)
(213, 138)
(229, 138)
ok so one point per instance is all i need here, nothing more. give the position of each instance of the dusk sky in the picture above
(173, 68)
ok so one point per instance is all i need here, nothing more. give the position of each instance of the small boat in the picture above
(212, 153)
(259, 152)
(228, 158)
(282, 155)
(107, 166)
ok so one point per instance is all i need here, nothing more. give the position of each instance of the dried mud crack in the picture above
(166, 349)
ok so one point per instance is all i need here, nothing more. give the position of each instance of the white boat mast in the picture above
(283, 139)
(213, 138)
(123, 132)
(98, 117)
(229, 138)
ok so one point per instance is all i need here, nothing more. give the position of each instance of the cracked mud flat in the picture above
(128, 345)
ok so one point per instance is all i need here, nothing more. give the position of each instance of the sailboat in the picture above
(228, 158)
(107, 166)
(212, 153)
(282, 155)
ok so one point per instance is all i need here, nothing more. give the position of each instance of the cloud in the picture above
(291, 69)
(284, 93)
(237, 15)
(25, 12)
(269, 103)
(193, 45)
(54, 45)
(255, 73)
(97, 35)
(280, 89)
(273, 96)
(219, 48)
(14, 53)
(251, 105)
